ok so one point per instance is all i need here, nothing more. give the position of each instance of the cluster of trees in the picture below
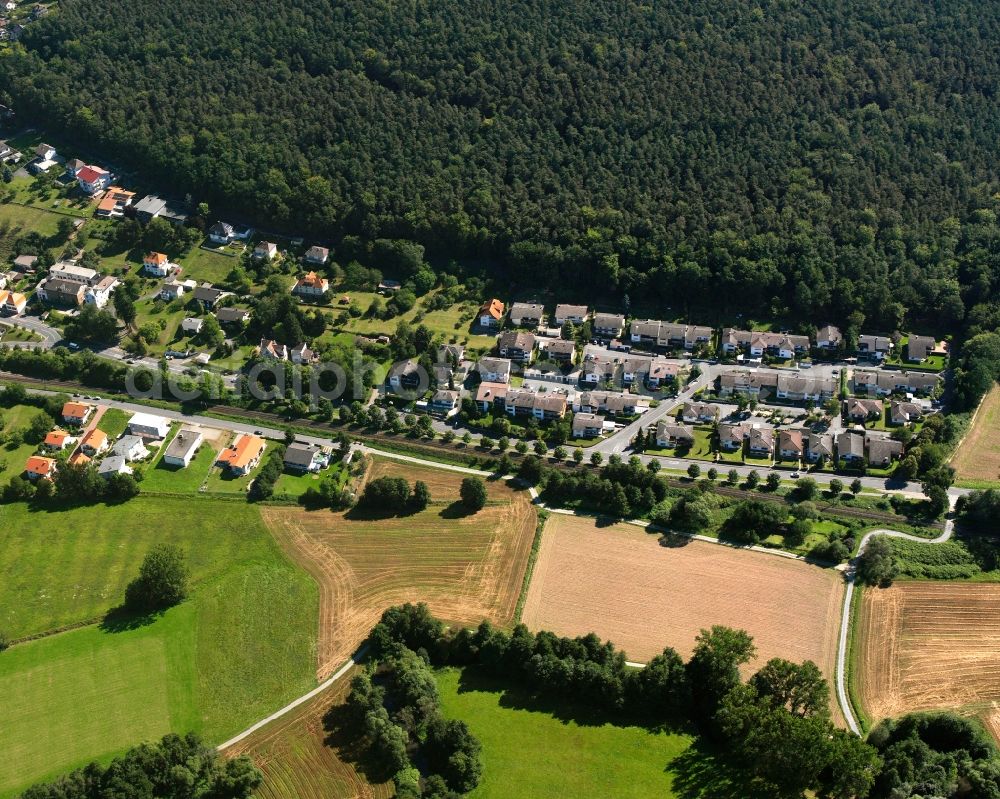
(392, 495)
(978, 367)
(619, 488)
(263, 484)
(162, 580)
(175, 766)
(415, 730)
(794, 169)
(979, 511)
(73, 483)
(776, 725)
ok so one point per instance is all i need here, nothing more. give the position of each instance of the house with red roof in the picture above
(93, 179)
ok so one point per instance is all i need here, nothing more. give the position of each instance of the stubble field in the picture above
(977, 460)
(622, 584)
(930, 645)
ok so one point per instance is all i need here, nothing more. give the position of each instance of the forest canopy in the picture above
(773, 158)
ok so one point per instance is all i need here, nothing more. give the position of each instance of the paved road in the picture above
(845, 616)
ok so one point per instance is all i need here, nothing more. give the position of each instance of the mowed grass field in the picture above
(467, 567)
(929, 645)
(623, 584)
(531, 753)
(977, 459)
(241, 645)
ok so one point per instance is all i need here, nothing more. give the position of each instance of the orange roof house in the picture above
(94, 442)
(78, 459)
(491, 313)
(243, 455)
(311, 283)
(37, 467)
(58, 439)
(76, 412)
(12, 303)
(114, 202)
(156, 258)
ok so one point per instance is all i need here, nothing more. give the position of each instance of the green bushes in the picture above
(263, 485)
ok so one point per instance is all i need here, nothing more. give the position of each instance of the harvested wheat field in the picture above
(929, 645)
(306, 754)
(977, 459)
(622, 584)
(466, 567)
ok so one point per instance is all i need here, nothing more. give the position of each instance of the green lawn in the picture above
(529, 753)
(114, 422)
(29, 219)
(65, 566)
(221, 482)
(205, 265)
(240, 647)
(294, 485)
(161, 477)
(12, 459)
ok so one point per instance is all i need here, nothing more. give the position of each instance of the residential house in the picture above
(191, 325)
(311, 286)
(791, 446)
(66, 270)
(58, 440)
(157, 264)
(880, 383)
(78, 459)
(450, 353)
(744, 382)
(608, 325)
(661, 372)
(172, 289)
(829, 337)
(699, 412)
(94, 442)
(93, 179)
(493, 370)
(73, 167)
(266, 251)
(544, 406)
(112, 465)
(45, 152)
(526, 314)
(851, 447)
(152, 207)
(732, 435)
(863, 410)
(301, 354)
(577, 314)
(100, 293)
(55, 291)
(616, 403)
(131, 448)
(318, 256)
(669, 335)
(306, 458)
(819, 446)
(6, 151)
(491, 395)
(587, 425)
(209, 296)
(444, 401)
(672, 435)
(25, 263)
(12, 303)
(38, 467)
(147, 425)
(559, 350)
(243, 455)
(902, 412)
(114, 202)
(405, 375)
(221, 233)
(882, 451)
(269, 349)
(874, 347)
(76, 414)
(491, 313)
(919, 348)
(516, 345)
(760, 441)
(232, 316)
(760, 342)
(387, 287)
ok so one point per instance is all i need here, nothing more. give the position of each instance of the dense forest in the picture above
(704, 157)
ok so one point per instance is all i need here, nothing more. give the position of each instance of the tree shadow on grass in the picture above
(456, 510)
(702, 772)
(122, 619)
(674, 540)
(342, 735)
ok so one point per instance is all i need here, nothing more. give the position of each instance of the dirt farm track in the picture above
(928, 645)
(622, 584)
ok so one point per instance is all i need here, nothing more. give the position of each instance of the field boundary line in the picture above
(529, 569)
(353, 661)
(968, 430)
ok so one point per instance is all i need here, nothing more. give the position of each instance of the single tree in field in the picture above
(836, 487)
(877, 564)
(473, 493)
(856, 486)
(693, 471)
(162, 580)
(421, 496)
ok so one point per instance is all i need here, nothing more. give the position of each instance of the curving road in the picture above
(845, 617)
